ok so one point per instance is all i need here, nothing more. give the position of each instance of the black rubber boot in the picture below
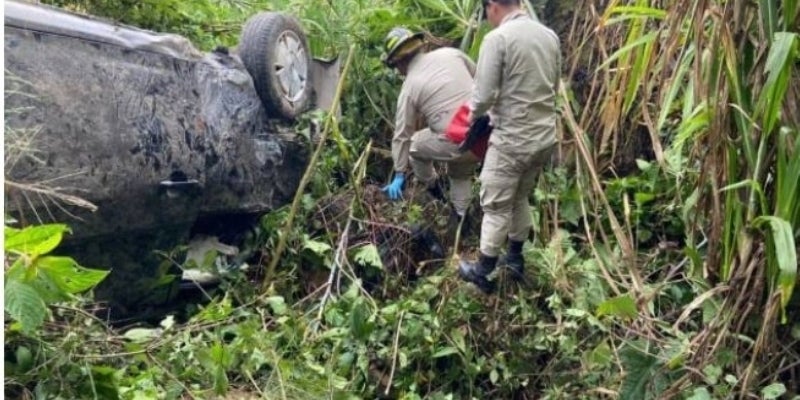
(514, 259)
(476, 272)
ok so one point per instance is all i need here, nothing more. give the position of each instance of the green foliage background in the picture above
(670, 278)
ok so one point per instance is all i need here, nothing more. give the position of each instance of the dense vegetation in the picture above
(664, 263)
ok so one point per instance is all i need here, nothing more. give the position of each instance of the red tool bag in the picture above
(457, 132)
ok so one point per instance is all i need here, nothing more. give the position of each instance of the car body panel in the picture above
(117, 113)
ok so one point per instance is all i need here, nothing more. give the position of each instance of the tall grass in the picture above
(714, 83)
(708, 90)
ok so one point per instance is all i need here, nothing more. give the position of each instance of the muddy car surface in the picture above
(156, 134)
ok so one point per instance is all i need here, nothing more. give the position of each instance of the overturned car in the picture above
(137, 139)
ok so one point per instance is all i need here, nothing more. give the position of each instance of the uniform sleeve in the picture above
(487, 76)
(405, 120)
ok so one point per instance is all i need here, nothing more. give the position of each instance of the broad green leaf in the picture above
(316, 367)
(34, 240)
(689, 207)
(359, 323)
(785, 254)
(220, 381)
(17, 270)
(277, 304)
(142, 335)
(402, 357)
(712, 373)
(317, 247)
(642, 198)
(68, 275)
(773, 391)
(216, 310)
(368, 255)
(575, 312)
(445, 351)
(24, 305)
(221, 356)
(168, 322)
(676, 357)
(48, 289)
(337, 382)
(24, 358)
(103, 382)
(643, 165)
(700, 393)
(346, 360)
(459, 340)
(601, 355)
(391, 310)
(622, 306)
(639, 370)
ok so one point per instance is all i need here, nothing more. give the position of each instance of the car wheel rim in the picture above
(291, 66)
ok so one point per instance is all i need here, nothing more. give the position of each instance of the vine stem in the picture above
(394, 355)
(327, 128)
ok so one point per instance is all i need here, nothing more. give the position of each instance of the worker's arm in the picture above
(405, 121)
(487, 76)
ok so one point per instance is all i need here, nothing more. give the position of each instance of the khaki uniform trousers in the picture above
(427, 147)
(506, 183)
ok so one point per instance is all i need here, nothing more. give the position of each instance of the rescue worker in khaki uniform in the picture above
(436, 83)
(516, 81)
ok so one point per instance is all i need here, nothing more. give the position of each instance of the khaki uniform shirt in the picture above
(516, 82)
(436, 84)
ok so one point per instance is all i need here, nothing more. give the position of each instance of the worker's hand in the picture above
(395, 189)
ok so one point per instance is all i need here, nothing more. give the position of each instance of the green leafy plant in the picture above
(35, 279)
(665, 256)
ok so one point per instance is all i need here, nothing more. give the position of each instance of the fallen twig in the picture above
(52, 193)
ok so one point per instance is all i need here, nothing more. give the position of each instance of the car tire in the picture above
(275, 52)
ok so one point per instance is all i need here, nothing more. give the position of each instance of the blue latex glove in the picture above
(395, 189)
